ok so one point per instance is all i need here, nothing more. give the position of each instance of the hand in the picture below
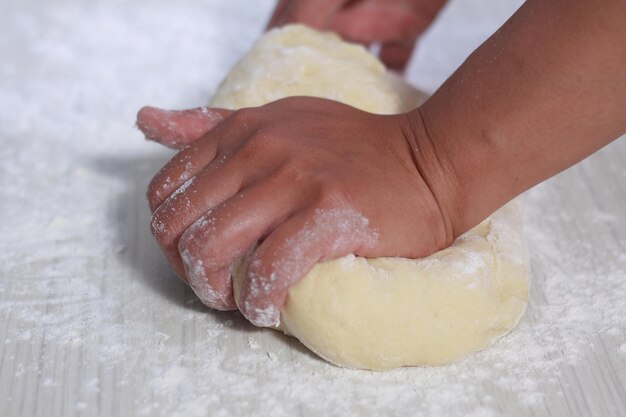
(396, 24)
(306, 180)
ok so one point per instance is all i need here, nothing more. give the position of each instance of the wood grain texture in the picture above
(92, 323)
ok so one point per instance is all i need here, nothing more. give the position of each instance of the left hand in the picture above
(394, 24)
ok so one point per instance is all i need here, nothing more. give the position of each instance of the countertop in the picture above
(93, 323)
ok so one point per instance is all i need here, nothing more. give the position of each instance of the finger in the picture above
(291, 250)
(178, 128)
(222, 140)
(396, 55)
(195, 197)
(315, 14)
(369, 22)
(279, 14)
(220, 180)
(221, 237)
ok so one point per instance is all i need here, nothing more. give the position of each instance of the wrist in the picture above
(478, 178)
(437, 174)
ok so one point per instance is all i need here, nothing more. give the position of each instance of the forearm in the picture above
(544, 92)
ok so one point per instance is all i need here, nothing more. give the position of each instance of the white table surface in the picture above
(92, 323)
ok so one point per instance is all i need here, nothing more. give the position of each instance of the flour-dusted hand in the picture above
(395, 24)
(306, 180)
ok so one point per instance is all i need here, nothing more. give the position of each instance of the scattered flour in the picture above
(91, 319)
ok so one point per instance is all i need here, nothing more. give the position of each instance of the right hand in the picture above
(295, 182)
(395, 24)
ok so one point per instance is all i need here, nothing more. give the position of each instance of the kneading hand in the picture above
(294, 182)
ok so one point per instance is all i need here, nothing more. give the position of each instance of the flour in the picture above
(183, 187)
(86, 296)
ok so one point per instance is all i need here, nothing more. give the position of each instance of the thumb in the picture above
(177, 128)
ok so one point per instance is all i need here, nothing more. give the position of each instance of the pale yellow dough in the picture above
(386, 312)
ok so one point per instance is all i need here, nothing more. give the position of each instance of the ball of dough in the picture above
(386, 312)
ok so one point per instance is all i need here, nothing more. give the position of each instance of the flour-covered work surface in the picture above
(92, 323)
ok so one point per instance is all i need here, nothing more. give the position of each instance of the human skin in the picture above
(545, 91)
(394, 24)
(301, 175)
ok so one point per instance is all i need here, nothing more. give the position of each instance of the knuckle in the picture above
(161, 228)
(185, 243)
(177, 170)
(212, 254)
(333, 193)
(246, 116)
(200, 241)
(264, 142)
(155, 193)
(293, 170)
(158, 227)
(158, 188)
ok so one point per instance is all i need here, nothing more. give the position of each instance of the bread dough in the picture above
(297, 61)
(385, 312)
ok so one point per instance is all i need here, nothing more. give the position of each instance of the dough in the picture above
(297, 61)
(386, 312)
